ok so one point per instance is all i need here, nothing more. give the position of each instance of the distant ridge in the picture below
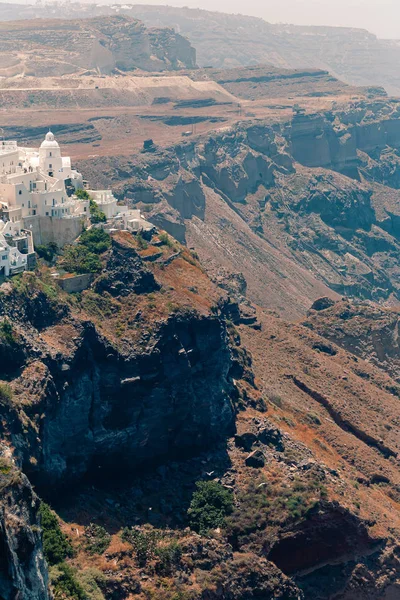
(223, 40)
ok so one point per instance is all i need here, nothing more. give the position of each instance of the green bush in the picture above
(95, 240)
(6, 394)
(7, 332)
(82, 194)
(96, 215)
(92, 581)
(141, 242)
(144, 543)
(65, 585)
(169, 557)
(166, 240)
(210, 504)
(77, 259)
(97, 539)
(48, 252)
(56, 545)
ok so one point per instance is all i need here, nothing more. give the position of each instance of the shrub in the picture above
(272, 396)
(7, 332)
(169, 556)
(82, 194)
(96, 215)
(56, 545)
(166, 240)
(77, 259)
(6, 394)
(92, 581)
(210, 504)
(97, 539)
(141, 242)
(313, 419)
(48, 252)
(65, 585)
(144, 543)
(95, 240)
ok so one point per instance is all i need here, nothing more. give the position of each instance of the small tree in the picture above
(77, 259)
(144, 543)
(96, 215)
(47, 252)
(7, 332)
(210, 504)
(82, 194)
(95, 240)
(56, 545)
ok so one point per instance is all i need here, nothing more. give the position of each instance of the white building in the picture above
(33, 190)
(16, 249)
(106, 202)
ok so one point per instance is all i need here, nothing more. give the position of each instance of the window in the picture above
(47, 214)
(4, 257)
(50, 166)
(20, 192)
(50, 154)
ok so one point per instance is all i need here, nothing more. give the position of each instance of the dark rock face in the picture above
(245, 440)
(330, 534)
(270, 436)
(322, 303)
(125, 273)
(23, 571)
(104, 409)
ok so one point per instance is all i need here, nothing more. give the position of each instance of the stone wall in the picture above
(52, 229)
(76, 283)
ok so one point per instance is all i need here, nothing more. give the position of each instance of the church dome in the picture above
(49, 141)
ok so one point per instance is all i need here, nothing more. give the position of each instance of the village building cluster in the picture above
(39, 205)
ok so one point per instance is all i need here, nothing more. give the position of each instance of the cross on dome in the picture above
(49, 141)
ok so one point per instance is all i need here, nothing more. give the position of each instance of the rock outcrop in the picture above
(23, 571)
(260, 196)
(95, 403)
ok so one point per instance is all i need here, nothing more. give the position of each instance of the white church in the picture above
(32, 183)
(38, 204)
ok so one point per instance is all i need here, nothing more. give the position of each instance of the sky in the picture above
(381, 17)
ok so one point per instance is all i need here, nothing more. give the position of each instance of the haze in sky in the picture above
(381, 17)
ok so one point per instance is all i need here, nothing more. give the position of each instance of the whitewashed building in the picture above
(16, 249)
(106, 202)
(33, 191)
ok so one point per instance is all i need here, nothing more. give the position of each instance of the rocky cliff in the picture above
(280, 203)
(156, 398)
(226, 40)
(165, 388)
(23, 572)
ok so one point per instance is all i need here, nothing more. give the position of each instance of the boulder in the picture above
(322, 303)
(245, 440)
(256, 459)
(271, 436)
